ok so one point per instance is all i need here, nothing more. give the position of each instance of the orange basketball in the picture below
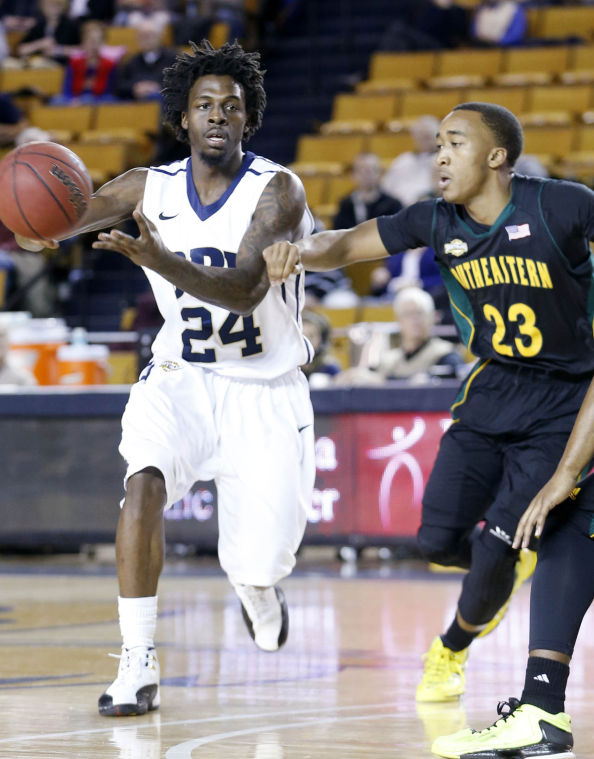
(45, 190)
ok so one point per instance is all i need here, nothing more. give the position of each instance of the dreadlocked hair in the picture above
(230, 60)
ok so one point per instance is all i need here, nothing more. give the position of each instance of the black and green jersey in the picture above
(522, 290)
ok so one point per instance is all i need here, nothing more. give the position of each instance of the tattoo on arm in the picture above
(277, 217)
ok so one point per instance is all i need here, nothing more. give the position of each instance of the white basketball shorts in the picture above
(253, 437)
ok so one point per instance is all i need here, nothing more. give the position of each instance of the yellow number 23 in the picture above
(528, 343)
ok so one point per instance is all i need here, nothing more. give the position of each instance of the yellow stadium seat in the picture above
(47, 81)
(315, 190)
(104, 159)
(388, 146)
(396, 65)
(123, 36)
(456, 81)
(547, 118)
(219, 33)
(568, 21)
(143, 117)
(377, 312)
(74, 118)
(582, 66)
(551, 140)
(354, 106)
(574, 99)
(351, 126)
(314, 168)
(339, 187)
(391, 84)
(484, 62)
(582, 56)
(329, 148)
(338, 317)
(435, 103)
(539, 59)
(585, 138)
(513, 98)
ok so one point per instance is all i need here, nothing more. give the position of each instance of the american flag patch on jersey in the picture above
(517, 231)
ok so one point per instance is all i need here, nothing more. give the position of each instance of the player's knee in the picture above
(441, 545)
(145, 494)
(489, 582)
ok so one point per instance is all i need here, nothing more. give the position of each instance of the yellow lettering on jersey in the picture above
(476, 272)
(544, 274)
(532, 275)
(504, 269)
(466, 265)
(486, 273)
(496, 271)
(511, 262)
(521, 272)
(458, 272)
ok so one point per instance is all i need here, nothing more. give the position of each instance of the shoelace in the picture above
(130, 663)
(437, 665)
(505, 709)
(258, 601)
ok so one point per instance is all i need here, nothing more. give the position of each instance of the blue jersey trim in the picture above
(297, 281)
(205, 212)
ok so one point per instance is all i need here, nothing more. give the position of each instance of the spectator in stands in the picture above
(19, 15)
(141, 77)
(92, 68)
(54, 36)
(324, 366)
(419, 355)
(499, 23)
(367, 200)
(134, 12)
(410, 176)
(11, 374)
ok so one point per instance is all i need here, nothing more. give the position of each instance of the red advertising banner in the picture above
(372, 470)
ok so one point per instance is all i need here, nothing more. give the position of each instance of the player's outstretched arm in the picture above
(278, 216)
(111, 203)
(577, 455)
(325, 251)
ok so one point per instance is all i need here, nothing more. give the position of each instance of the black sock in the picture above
(546, 680)
(456, 639)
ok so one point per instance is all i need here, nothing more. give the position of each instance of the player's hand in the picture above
(553, 493)
(282, 260)
(148, 249)
(33, 245)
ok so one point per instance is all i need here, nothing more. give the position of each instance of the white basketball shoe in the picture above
(136, 688)
(265, 614)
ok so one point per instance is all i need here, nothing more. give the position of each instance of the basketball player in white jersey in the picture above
(223, 396)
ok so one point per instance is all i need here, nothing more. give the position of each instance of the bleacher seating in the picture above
(550, 87)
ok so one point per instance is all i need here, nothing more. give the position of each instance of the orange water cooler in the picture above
(34, 345)
(82, 365)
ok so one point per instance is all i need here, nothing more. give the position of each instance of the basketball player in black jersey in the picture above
(514, 255)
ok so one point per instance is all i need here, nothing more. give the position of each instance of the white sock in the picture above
(138, 620)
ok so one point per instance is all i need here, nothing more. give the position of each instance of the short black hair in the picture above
(231, 60)
(504, 126)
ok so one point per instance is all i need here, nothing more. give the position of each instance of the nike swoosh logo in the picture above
(166, 218)
(305, 426)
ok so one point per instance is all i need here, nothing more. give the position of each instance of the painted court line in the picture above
(184, 750)
(203, 720)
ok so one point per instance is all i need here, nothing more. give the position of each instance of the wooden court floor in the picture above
(343, 686)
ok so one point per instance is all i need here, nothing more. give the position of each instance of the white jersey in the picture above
(263, 345)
